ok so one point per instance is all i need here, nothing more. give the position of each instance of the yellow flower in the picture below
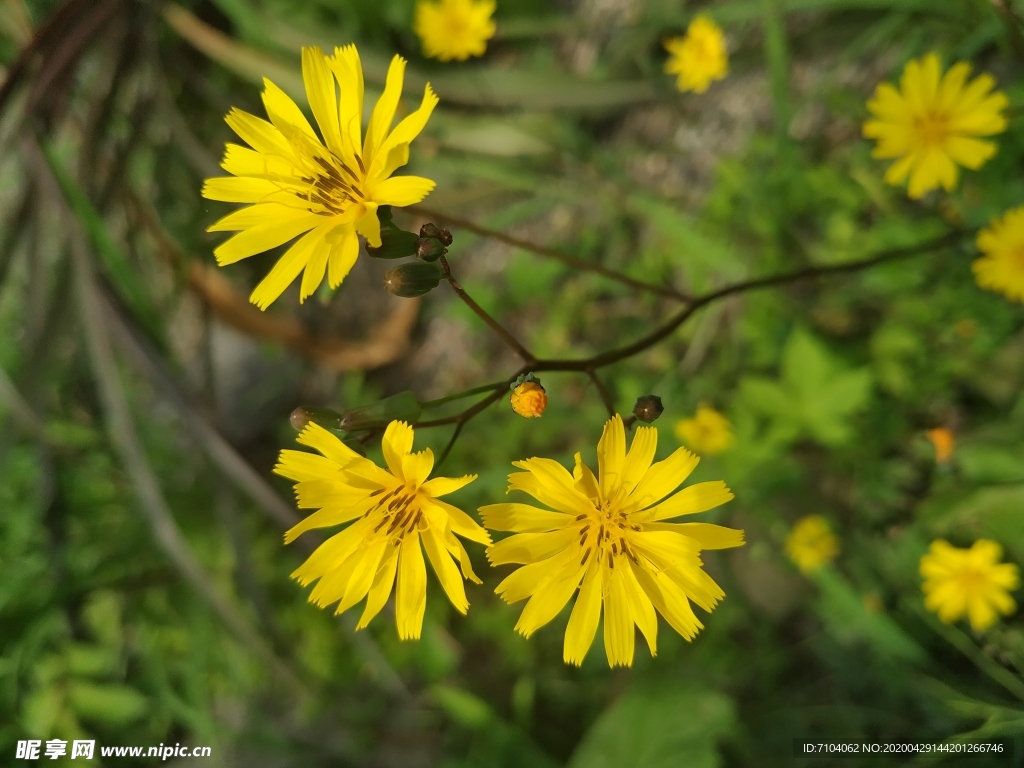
(395, 510)
(968, 582)
(930, 125)
(944, 443)
(708, 432)
(1002, 267)
(324, 187)
(811, 544)
(454, 29)
(698, 57)
(529, 399)
(606, 539)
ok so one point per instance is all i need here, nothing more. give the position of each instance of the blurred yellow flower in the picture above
(606, 539)
(529, 399)
(324, 187)
(1002, 267)
(931, 124)
(944, 443)
(811, 544)
(698, 57)
(395, 511)
(968, 582)
(708, 432)
(454, 29)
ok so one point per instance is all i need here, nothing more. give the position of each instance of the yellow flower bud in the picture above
(529, 399)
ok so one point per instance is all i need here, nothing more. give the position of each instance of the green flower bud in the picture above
(394, 244)
(413, 279)
(402, 407)
(325, 417)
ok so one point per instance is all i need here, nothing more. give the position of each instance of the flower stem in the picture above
(468, 393)
(494, 325)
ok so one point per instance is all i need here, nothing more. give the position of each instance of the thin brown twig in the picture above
(606, 396)
(591, 364)
(549, 253)
(493, 324)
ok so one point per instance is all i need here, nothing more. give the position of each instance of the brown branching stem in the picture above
(590, 365)
(606, 396)
(493, 324)
(550, 253)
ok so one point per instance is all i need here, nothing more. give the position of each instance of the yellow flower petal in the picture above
(579, 634)
(380, 591)
(288, 267)
(323, 100)
(446, 571)
(695, 498)
(522, 518)
(411, 598)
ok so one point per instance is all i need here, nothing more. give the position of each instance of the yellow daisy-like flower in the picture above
(606, 538)
(454, 29)
(708, 432)
(396, 510)
(1002, 267)
(968, 582)
(325, 187)
(944, 442)
(931, 125)
(811, 544)
(698, 57)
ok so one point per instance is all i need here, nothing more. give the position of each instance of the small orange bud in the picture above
(529, 399)
(944, 443)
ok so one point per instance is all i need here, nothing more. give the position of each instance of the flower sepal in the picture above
(401, 407)
(413, 279)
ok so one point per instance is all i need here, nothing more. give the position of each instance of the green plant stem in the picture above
(778, 63)
(468, 393)
(968, 648)
(1013, 31)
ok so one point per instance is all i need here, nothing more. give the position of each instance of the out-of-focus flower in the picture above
(698, 57)
(811, 544)
(1002, 266)
(529, 399)
(397, 514)
(454, 29)
(968, 582)
(708, 432)
(606, 538)
(931, 125)
(944, 443)
(325, 187)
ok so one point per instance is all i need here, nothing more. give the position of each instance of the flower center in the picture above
(932, 128)
(603, 533)
(333, 185)
(399, 512)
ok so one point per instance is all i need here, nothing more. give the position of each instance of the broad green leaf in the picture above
(662, 727)
(848, 619)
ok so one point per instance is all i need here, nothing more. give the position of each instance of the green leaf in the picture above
(847, 618)
(110, 703)
(659, 727)
(815, 396)
(463, 707)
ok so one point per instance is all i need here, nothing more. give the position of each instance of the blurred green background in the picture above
(144, 590)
